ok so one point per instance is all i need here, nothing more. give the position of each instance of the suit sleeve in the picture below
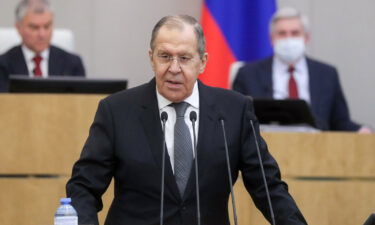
(78, 68)
(239, 83)
(285, 209)
(4, 76)
(93, 172)
(340, 116)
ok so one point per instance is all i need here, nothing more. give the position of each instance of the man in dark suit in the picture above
(36, 56)
(126, 142)
(290, 74)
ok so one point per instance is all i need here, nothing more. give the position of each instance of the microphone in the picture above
(251, 118)
(221, 119)
(193, 119)
(164, 118)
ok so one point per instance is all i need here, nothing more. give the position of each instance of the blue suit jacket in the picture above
(60, 63)
(125, 143)
(328, 103)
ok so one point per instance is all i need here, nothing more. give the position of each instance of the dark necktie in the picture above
(37, 70)
(292, 84)
(183, 153)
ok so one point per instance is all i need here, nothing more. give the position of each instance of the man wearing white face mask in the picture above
(291, 74)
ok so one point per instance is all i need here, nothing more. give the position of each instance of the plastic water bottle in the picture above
(66, 214)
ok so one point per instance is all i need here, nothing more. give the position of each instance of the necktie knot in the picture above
(37, 59)
(291, 69)
(180, 108)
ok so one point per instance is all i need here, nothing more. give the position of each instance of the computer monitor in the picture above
(65, 84)
(283, 112)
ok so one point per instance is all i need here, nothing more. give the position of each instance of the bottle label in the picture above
(66, 220)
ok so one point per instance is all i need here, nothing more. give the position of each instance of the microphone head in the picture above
(221, 116)
(164, 116)
(250, 115)
(193, 116)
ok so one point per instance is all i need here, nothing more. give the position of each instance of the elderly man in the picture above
(36, 56)
(290, 74)
(126, 143)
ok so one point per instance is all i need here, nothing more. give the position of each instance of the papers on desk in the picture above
(288, 128)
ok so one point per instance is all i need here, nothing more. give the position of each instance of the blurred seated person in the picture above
(292, 74)
(36, 56)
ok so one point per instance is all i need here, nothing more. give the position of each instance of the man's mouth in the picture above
(173, 84)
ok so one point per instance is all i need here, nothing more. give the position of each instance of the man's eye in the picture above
(33, 27)
(164, 57)
(185, 59)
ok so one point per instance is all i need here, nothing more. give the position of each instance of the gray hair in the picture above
(178, 21)
(289, 13)
(36, 6)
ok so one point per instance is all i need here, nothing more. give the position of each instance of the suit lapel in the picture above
(315, 93)
(150, 120)
(207, 123)
(265, 73)
(55, 66)
(18, 63)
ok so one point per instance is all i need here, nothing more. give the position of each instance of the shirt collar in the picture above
(29, 54)
(298, 66)
(193, 99)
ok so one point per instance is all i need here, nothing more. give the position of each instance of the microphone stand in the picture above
(229, 173)
(263, 174)
(193, 118)
(164, 118)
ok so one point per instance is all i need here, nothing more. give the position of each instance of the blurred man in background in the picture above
(291, 74)
(36, 56)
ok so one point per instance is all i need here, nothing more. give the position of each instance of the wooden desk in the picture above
(330, 175)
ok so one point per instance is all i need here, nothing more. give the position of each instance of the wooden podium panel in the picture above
(43, 133)
(331, 175)
(322, 202)
(332, 154)
(30, 201)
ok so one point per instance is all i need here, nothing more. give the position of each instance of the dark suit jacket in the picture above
(370, 220)
(125, 142)
(328, 103)
(60, 63)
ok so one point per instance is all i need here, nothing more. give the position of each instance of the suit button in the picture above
(183, 208)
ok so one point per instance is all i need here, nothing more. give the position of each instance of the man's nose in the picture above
(175, 66)
(42, 33)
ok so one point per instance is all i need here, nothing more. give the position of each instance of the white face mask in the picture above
(290, 50)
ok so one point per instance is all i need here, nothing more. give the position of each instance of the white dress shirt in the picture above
(280, 79)
(164, 106)
(29, 55)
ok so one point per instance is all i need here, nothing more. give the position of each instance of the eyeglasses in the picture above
(183, 60)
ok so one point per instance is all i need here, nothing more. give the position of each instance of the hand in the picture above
(365, 130)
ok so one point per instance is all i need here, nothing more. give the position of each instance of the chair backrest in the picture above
(234, 67)
(62, 38)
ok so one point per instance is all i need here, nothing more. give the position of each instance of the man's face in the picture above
(176, 63)
(288, 28)
(36, 30)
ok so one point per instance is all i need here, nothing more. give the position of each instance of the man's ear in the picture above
(307, 37)
(204, 62)
(18, 27)
(150, 53)
(272, 40)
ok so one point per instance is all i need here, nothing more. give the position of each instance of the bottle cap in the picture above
(65, 200)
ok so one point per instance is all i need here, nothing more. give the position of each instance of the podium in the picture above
(331, 175)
